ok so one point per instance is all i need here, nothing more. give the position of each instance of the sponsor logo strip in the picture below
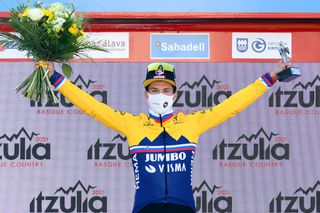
(179, 45)
(259, 45)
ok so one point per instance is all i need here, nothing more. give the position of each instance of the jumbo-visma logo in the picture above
(302, 200)
(78, 198)
(114, 153)
(203, 93)
(302, 99)
(261, 149)
(64, 106)
(180, 46)
(212, 199)
(24, 149)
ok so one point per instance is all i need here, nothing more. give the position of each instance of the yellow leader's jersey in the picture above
(162, 153)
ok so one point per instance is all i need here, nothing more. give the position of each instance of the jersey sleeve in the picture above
(206, 119)
(111, 118)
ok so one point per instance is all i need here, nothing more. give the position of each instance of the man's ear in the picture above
(146, 95)
(175, 95)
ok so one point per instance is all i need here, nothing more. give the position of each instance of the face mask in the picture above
(160, 104)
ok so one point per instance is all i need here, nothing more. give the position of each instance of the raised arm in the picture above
(113, 119)
(206, 119)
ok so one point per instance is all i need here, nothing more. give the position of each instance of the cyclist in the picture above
(162, 145)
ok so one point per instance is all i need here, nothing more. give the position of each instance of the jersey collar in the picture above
(164, 118)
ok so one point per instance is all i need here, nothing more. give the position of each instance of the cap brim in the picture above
(149, 81)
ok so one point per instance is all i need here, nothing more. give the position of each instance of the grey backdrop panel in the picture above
(248, 185)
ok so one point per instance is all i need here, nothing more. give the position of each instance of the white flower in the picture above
(57, 24)
(56, 8)
(35, 14)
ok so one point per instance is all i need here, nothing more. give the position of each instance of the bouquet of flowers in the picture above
(50, 32)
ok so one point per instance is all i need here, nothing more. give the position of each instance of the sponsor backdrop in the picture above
(53, 158)
(194, 47)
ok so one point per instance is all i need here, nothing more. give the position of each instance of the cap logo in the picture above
(160, 70)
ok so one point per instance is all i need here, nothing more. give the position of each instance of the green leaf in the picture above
(67, 70)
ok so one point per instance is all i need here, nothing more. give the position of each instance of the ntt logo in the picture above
(179, 46)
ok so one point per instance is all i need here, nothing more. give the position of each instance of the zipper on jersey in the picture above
(165, 161)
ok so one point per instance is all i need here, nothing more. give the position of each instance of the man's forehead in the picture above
(160, 84)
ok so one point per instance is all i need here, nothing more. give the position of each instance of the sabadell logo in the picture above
(192, 47)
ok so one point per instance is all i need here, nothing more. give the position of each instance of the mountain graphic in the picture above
(123, 138)
(309, 84)
(255, 136)
(205, 184)
(73, 189)
(80, 79)
(310, 189)
(198, 83)
(19, 134)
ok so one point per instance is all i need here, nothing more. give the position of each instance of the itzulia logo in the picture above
(303, 200)
(77, 198)
(113, 153)
(24, 149)
(202, 93)
(64, 106)
(260, 149)
(212, 199)
(301, 99)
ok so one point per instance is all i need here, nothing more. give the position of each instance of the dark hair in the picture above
(174, 88)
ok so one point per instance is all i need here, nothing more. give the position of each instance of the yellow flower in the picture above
(26, 12)
(73, 29)
(42, 64)
(81, 32)
(49, 14)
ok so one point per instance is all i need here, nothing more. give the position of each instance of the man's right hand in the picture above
(47, 64)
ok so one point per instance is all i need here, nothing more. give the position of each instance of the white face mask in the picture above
(160, 104)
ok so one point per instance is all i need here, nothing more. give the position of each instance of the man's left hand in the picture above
(280, 67)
